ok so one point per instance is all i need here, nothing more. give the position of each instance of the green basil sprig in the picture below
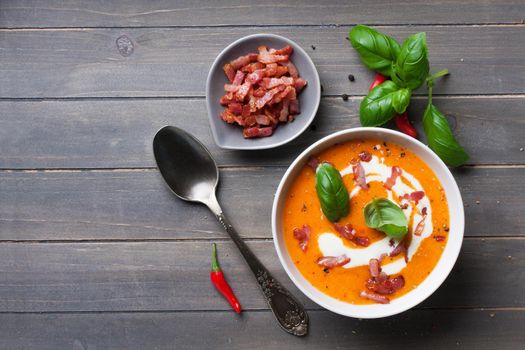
(411, 67)
(382, 103)
(408, 67)
(440, 137)
(332, 192)
(384, 215)
(377, 50)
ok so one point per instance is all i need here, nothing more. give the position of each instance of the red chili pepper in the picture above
(379, 79)
(404, 125)
(220, 283)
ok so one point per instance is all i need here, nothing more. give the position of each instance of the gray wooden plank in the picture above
(444, 329)
(74, 13)
(119, 133)
(154, 276)
(175, 62)
(118, 205)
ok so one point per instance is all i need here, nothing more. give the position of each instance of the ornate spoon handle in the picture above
(289, 312)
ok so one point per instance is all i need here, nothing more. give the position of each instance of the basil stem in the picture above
(384, 215)
(331, 192)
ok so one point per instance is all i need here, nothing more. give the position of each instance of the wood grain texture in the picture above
(175, 62)
(109, 133)
(136, 13)
(118, 205)
(444, 329)
(51, 277)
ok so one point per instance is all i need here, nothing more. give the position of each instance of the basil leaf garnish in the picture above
(382, 103)
(332, 192)
(411, 67)
(384, 215)
(377, 50)
(440, 137)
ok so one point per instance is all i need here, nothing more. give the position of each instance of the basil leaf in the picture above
(332, 192)
(440, 137)
(382, 103)
(377, 50)
(411, 67)
(401, 99)
(384, 215)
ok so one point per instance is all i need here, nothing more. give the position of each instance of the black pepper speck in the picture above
(351, 77)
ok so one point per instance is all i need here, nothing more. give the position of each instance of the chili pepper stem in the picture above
(215, 266)
(430, 94)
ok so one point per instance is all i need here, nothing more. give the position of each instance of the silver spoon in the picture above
(191, 173)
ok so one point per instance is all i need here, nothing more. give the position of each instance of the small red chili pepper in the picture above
(379, 79)
(220, 283)
(404, 125)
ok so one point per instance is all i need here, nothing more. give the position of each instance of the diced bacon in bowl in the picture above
(262, 92)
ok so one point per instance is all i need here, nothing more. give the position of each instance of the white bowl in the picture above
(445, 263)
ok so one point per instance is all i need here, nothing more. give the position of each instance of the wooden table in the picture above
(95, 253)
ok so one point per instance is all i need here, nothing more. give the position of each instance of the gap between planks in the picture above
(222, 26)
(221, 167)
(420, 96)
(311, 309)
(202, 240)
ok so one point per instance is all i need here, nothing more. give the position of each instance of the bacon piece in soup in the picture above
(391, 181)
(333, 261)
(359, 175)
(303, 236)
(348, 232)
(374, 297)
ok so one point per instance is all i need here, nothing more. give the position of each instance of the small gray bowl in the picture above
(229, 136)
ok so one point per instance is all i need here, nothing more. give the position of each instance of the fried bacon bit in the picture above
(262, 91)
(303, 236)
(333, 261)
(374, 297)
(267, 57)
(421, 225)
(374, 267)
(359, 175)
(385, 285)
(294, 73)
(242, 61)
(440, 238)
(348, 232)
(299, 83)
(396, 171)
(401, 248)
(256, 132)
(313, 163)
(229, 71)
(252, 67)
(414, 196)
(365, 156)
(424, 211)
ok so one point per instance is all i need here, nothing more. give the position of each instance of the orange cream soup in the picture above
(302, 207)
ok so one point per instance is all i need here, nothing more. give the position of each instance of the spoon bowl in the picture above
(185, 164)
